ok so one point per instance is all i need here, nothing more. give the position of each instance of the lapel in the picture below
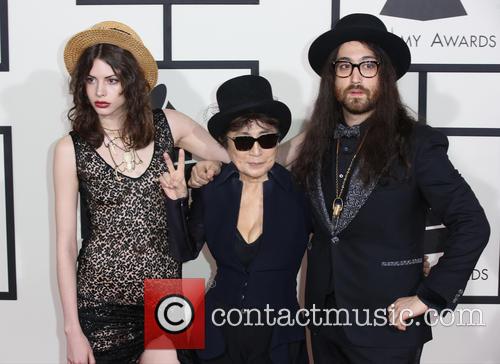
(274, 191)
(224, 209)
(357, 195)
(318, 199)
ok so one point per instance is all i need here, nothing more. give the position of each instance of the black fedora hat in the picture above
(247, 95)
(360, 27)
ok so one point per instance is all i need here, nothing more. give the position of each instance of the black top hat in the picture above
(245, 95)
(360, 27)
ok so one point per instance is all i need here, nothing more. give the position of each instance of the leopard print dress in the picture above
(125, 244)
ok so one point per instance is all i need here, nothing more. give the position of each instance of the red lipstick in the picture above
(101, 104)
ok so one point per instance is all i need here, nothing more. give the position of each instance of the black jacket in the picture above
(376, 255)
(271, 278)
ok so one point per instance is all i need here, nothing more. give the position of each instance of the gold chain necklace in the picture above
(338, 202)
(130, 157)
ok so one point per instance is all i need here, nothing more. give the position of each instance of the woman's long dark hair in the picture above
(138, 127)
(390, 125)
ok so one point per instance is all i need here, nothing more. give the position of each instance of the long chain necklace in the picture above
(130, 157)
(338, 202)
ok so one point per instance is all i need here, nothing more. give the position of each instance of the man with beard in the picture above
(373, 174)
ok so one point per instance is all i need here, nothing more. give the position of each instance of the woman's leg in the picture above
(159, 356)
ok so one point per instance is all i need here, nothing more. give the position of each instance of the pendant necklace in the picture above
(338, 202)
(130, 157)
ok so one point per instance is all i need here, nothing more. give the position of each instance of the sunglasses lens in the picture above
(243, 143)
(268, 141)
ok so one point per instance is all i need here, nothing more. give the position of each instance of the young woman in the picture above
(113, 158)
(255, 222)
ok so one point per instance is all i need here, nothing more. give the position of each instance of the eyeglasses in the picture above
(245, 143)
(367, 69)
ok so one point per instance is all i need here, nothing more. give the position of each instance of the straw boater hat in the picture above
(118, 34)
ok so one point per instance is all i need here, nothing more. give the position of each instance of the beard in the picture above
(356, 105)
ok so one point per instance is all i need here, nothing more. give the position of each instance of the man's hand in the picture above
(403, 309)
(427, 266)
(203, 172)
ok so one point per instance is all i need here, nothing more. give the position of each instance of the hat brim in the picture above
(83, 40)
(219, 123)
(394, 46)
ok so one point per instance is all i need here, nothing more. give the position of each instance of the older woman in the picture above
(255, 222)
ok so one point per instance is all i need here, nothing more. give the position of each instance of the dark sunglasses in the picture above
(245, 143)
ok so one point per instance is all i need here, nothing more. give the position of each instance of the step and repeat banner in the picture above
(198, 44)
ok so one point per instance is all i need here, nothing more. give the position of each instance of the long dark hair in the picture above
(138, 126)
(390, 125)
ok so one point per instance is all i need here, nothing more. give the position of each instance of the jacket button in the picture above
(309, 246)
(245, 284)
(242, 297)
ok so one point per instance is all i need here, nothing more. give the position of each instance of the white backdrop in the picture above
(276, 33)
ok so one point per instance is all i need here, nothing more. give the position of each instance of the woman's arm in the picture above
(66, 199)
(186, 230)
(192, 137)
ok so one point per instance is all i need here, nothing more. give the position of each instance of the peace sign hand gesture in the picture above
(173, 182)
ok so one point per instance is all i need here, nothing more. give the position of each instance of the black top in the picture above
(246, 252)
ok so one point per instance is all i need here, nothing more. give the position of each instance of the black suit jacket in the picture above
(375, 256)
(271, 277)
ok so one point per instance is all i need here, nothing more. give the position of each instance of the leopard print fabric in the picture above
(126, 243)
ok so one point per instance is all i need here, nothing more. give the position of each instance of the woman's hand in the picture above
(173, 181)
(78, 349)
